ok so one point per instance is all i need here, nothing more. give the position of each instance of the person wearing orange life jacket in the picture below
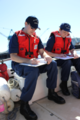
(28, 48)
(60, 44)
(24, 47)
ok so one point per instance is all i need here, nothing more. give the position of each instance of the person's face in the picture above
(29, 29)
(63, 33)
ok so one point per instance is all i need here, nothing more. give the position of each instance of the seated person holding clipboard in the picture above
(60, 44)
(24, 47)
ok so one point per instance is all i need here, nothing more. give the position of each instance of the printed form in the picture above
(42, 62)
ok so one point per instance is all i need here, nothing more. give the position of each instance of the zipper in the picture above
(63, 51)
(64, 42)
(29, 53)
(29, 44)
(29, 48)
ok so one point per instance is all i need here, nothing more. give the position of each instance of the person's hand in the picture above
(48, 59)
(34, 61)
(76, 56)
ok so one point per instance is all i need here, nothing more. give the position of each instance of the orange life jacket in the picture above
(60, 45)
(28, 45)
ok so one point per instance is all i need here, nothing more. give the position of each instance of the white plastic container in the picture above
(4, 90)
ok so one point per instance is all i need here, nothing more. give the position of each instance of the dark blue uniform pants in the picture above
(76, 63)
(31, 75)
(66, 66)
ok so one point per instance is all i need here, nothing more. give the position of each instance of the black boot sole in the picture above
(50, 98)
(22, 113)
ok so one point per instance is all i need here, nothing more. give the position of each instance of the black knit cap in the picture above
(33, 21)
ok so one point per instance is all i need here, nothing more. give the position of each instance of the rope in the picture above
(13, 83)
(12, 114)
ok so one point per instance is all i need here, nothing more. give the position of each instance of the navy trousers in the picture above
(76, 63)
(31, 75)
(66, 66)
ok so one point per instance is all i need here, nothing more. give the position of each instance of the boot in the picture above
(54, 96)
(64, 88)
(27, 112)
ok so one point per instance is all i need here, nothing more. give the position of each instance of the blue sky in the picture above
(51, 13)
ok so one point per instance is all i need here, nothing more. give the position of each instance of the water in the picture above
(8, 63)
(78, 52)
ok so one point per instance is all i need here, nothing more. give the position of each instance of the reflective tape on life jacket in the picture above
(61, 45)
(28, 45)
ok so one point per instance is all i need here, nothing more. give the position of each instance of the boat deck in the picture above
(49, 110)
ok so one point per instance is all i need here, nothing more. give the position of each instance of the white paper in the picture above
(42, 62)
(64, 58)
(68, 57)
